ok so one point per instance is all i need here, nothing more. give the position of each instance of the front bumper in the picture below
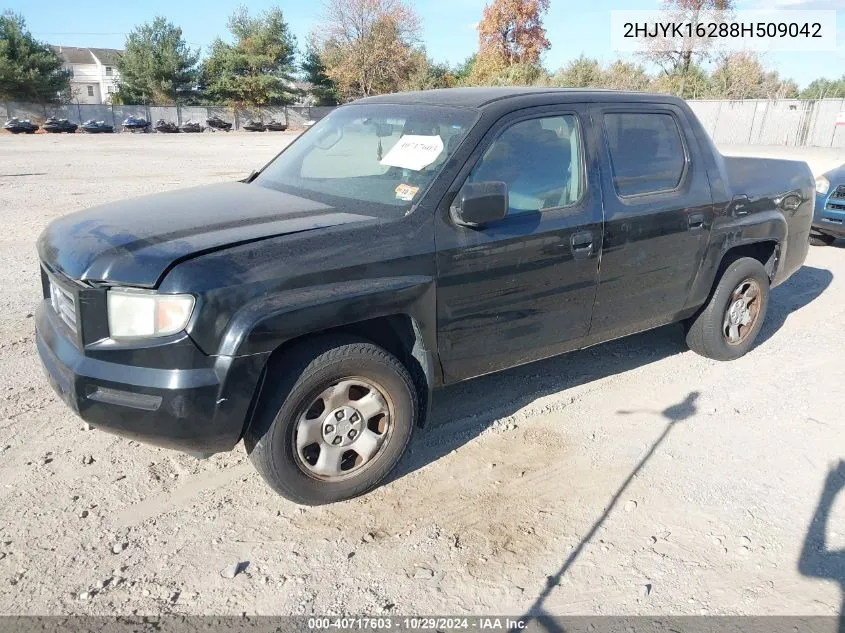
(196, 410)
(829, 219)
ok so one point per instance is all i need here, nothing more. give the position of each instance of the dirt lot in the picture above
(630, 478)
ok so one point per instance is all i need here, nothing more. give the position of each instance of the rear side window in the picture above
(646, 152)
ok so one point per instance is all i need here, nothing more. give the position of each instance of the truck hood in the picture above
(135, 242)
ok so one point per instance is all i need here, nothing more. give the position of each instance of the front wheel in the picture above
(336, 420)
(729, 323)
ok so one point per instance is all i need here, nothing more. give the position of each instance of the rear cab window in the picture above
(647, 152)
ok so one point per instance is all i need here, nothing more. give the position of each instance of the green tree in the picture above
(583, 72)
(622, 75)
(257, 69)
(522, 74)
(29, 70)
(824, 88)
(427, 74)
(694, 83)
(157, 66)
(463, 70)
(322, 88)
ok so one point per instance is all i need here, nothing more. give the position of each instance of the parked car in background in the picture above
(407, 242)
(829, 217)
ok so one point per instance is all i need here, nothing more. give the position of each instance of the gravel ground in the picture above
(631, 478)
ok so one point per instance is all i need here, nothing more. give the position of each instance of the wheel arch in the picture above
(399, 333)
(761, 236)
(765, 251)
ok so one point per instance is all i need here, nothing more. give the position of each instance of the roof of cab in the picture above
(483, 96)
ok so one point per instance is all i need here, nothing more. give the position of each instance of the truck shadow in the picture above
(674, 415)
(463, 411)
(817, 559)
(801, 289)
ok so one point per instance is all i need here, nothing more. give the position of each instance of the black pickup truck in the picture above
(406, 242)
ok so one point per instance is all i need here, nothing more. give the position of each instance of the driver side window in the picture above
(540, 162)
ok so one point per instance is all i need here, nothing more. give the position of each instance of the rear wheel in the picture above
(729, 323)
(820, 239)
(336, 421)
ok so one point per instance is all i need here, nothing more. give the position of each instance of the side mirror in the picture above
(479, 203)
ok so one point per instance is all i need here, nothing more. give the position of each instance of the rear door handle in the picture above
(582, 244)
(696, 220)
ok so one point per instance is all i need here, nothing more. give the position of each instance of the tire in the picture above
(294, 390)
(709, 331)
(820, 239)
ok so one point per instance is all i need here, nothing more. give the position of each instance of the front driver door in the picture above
(522, 288)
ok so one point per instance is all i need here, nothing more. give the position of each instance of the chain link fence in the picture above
(293, 116)
(791, 122)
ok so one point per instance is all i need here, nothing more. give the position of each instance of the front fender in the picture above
(267, 322)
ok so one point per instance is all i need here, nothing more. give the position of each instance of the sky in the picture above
(574, 27)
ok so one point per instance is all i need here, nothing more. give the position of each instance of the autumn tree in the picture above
(678, 56)
(29, 70)
(742, 75)
(510, 33)
(257, 69)
(369, 46)
(156, 66)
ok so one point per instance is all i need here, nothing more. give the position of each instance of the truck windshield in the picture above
(372, 159)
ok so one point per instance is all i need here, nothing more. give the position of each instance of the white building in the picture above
(94, 72)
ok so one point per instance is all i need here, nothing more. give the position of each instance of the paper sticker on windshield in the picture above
(414, 152)
(406, 192)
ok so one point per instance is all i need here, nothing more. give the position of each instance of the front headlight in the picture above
(143, 313)
(822, 185)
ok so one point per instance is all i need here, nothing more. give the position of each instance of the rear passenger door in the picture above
(658, 214)
(521, 288)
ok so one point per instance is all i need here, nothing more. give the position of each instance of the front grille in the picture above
(63, 304)
(838, 193)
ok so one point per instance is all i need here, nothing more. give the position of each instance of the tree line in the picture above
(366, 47)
